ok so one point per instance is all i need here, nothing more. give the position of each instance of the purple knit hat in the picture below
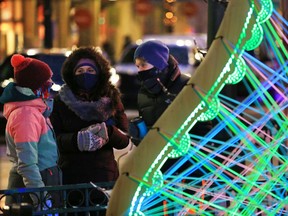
(154, 52)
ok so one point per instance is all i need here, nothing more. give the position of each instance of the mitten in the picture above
(99, 129)
(87, 141)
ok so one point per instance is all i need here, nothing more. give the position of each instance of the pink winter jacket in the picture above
(31, 144)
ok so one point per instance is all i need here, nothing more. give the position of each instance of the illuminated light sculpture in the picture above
(245, 174)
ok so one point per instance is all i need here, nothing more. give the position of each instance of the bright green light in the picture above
(233, 72)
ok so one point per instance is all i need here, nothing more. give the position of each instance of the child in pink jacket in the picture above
(31, 145)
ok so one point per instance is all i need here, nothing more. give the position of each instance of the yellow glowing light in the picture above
(169, 15)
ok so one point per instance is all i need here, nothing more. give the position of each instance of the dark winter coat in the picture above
(75, 110)
(151, 106)
(70, 116)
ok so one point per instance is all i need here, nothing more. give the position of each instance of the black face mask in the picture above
(147, 74)
(153, 80)
(149, 79)
(87, 81)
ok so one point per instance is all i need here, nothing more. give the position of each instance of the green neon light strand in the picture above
(257, 38)
(270, 34)
(239, 72)
(263, 160)
(226, 69)
(266, 10)
(268, 100)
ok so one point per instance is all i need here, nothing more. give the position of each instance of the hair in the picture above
(141, 59)
(104, 86)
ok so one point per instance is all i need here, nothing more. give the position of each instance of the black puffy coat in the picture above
(83, 167)
(151, 106)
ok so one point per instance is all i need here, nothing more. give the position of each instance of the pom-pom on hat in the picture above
(154, 52)
(29, 72)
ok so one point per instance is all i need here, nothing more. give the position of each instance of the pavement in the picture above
(5, 166)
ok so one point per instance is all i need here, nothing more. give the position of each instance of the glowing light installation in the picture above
(245, 173)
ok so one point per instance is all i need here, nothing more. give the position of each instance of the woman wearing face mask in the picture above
(31, 145)
(89, 119)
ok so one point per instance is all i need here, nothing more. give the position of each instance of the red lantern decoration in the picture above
(83, 18)
(143, 7)
(190, 9)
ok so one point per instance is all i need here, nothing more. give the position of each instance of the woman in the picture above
(88, 119)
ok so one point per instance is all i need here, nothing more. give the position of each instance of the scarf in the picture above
(99, 110)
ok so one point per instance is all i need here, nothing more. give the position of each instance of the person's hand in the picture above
(87, 141)
(93, 137)
(99, 129)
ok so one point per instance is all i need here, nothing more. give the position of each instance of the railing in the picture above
(66, 199)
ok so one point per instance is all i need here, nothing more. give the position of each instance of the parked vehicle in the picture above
(183, 48)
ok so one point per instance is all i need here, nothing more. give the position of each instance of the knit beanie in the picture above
(86, 62)
(154, 52)
(29, 72)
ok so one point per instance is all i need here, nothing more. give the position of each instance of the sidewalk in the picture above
(5, 166)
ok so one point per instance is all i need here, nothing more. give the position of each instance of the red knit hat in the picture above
(29, 72)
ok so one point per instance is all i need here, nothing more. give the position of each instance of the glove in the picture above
(93, 137)
(99, 129)
(87, 141)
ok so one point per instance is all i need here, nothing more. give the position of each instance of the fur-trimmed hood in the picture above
(104, 87)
